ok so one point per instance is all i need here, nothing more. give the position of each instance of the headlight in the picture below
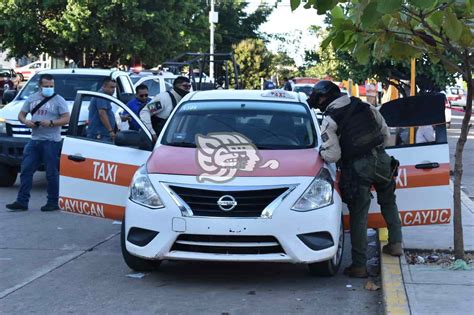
(143, 192)
(318, 194)
(3, 126)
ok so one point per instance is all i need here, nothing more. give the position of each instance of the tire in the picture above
(329, 268)
(8, 175)
(22, 78)
(134, 262)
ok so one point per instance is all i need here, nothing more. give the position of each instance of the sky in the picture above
(283, 20)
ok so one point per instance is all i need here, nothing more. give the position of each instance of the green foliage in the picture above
(396, 29)
(109, 31)
(255, 62)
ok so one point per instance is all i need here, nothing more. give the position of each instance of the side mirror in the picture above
(126, 97)
(133, 138)
(8, 96)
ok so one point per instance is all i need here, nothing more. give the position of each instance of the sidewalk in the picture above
(431, 288)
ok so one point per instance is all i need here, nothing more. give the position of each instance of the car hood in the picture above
(11, 110)
(272, 163)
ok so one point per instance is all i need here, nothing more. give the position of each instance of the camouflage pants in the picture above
(373, 169)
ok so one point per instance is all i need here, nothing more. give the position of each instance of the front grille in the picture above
(20, 130)
(227, 244)
(250, 203)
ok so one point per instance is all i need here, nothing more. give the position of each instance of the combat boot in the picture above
(394, 249)
(356, 272)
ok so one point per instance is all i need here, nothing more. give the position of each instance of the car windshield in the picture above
(153, 85)
(306, 89)
(65, 85)
(269, 126)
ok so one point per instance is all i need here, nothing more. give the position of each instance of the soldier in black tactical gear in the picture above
(354, 135)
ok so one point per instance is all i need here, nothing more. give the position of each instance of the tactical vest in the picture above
(357, 129)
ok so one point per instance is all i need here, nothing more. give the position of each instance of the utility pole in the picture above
(213, 18)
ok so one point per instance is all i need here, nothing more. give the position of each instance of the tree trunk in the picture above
(457, 217)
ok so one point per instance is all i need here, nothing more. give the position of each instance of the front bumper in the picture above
(11, 150)
(170, 235)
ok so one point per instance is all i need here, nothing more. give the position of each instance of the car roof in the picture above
(82, 71)
(237, 95)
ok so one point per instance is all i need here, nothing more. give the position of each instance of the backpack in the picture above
(357, 129)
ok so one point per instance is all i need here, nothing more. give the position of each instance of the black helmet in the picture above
(326, 88)
(323, 88)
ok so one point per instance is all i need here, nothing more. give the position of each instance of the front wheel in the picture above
(134, 262)
(329, 268)
(8, 175)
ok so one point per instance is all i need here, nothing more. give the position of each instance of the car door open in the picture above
(95, 175)
(423, 190)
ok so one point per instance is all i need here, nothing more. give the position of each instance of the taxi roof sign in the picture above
(279, 94)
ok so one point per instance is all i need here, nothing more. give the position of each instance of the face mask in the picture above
(47, 91)
(181, 92)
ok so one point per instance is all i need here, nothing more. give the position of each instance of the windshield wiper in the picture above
(182, 144)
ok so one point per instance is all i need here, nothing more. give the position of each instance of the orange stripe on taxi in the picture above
(411, 177)
(98, 170)
(94, 209)
(408, 218)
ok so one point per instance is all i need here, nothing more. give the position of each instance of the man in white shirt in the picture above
(425, 134)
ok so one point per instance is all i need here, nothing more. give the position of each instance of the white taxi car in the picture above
(234, 176)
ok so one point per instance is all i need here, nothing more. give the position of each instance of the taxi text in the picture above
(424, 217)
(82, 207)
(105, 172)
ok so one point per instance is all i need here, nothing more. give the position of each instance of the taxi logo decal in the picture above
(221, 155)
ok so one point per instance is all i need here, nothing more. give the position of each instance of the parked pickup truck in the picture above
(14, 135)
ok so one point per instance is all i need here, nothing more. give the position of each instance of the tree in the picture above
(284, 66)
(105, 32)
(235, 24)
(323, 62)
(430, 77)
(255, 62)
(402, 29)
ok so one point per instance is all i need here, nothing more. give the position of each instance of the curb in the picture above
(395, 299)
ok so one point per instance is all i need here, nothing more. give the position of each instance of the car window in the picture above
(305, 89)
(170, 81)
(424, 115)
(124, 84)
(135, 78)
(267, 125)
(86, 126)
(65, 85)
(153, 86)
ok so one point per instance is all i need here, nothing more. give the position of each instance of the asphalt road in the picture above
(63, 263)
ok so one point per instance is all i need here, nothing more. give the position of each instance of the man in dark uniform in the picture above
(354, 135)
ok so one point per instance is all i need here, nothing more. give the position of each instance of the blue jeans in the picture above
(35, 153)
